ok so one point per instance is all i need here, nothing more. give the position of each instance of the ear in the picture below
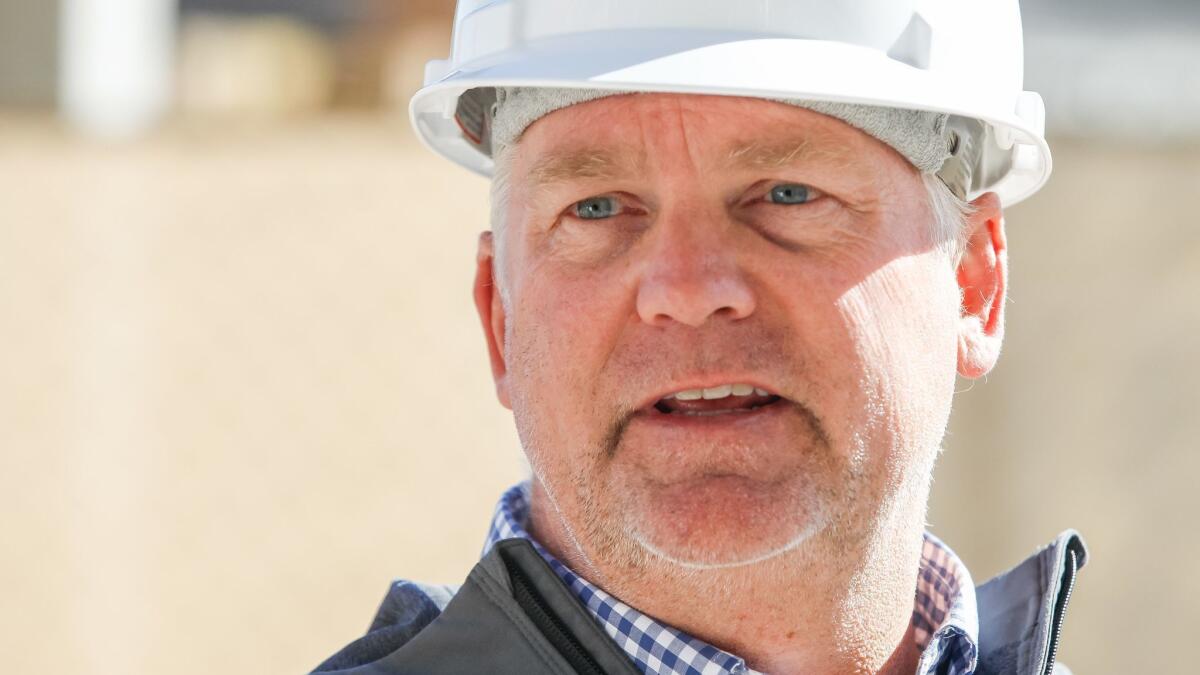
(491, 313)
(982, 280)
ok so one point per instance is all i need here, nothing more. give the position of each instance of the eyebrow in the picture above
(585, 163)
(784, 152)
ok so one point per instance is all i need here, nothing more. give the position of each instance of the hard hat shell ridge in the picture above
(960, 58)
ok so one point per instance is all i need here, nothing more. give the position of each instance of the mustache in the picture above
(611, 442)
(643, 366)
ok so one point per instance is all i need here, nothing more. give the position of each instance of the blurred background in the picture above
(244, 387)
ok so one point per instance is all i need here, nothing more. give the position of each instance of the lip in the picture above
(734, 419)
(706, 382)
(757, 444)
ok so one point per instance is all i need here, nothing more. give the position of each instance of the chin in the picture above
(723, 521)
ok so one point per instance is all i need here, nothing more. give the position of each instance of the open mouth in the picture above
(725, 399)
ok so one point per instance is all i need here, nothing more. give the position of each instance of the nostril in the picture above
(695, 297)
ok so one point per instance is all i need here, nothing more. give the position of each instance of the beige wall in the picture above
(245, 389)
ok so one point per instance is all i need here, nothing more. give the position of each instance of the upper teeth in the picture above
(720, 391)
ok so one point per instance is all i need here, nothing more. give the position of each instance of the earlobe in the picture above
(490, 306)
(983, 280)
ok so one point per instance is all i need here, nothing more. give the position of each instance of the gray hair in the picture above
(948, 225)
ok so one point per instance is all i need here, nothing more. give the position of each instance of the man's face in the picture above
(658, 244)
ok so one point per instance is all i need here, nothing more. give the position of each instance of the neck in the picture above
(826, 607)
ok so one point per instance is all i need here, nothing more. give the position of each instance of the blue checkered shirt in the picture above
(945, 619)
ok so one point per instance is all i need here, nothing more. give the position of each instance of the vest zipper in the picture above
(1060, 609)
(551, 626)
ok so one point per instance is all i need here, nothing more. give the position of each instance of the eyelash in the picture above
(815, 195)
(622, 207)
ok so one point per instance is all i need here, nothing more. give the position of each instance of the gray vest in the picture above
(514, 616)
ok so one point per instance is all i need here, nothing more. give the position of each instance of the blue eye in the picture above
(790, 193)
(595, 208)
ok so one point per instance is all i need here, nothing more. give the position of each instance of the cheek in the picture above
(559, 336)
(901, 320)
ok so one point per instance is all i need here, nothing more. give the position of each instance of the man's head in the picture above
(659, 244)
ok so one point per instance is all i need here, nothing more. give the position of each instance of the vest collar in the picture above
(1021, 611)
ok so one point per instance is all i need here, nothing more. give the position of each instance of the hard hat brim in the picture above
(709, 63)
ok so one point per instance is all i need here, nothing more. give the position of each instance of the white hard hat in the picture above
(960, 57)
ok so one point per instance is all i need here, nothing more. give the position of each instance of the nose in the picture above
(693, 274)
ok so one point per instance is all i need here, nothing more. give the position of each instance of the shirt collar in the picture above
(945, 617)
